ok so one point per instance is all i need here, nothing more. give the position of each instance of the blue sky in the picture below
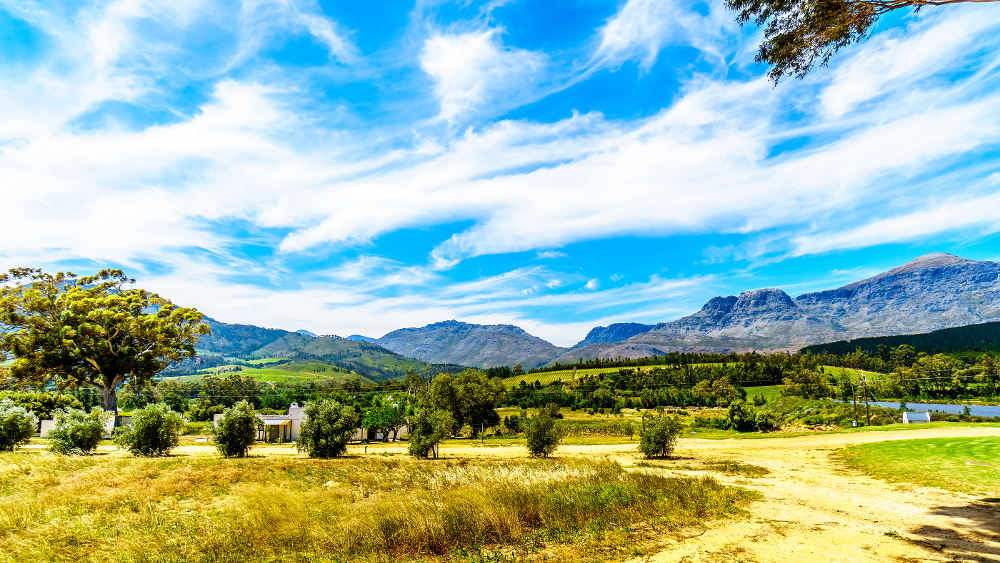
(356, 167)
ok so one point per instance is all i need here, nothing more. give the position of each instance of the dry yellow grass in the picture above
(114, 508)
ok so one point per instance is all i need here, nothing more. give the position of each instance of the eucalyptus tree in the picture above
(94, 331)
(798, 34)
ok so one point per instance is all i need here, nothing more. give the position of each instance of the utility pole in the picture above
(868, 414)
(855, 407)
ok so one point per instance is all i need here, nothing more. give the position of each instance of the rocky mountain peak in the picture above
(762, 300)
(925, 262)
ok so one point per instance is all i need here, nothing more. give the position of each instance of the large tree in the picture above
(798, 34)
(90, 331)
(471, 397)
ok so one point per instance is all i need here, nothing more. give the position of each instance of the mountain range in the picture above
(932, 292)
(246, 342)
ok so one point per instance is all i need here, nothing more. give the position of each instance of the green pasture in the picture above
(286, 373)
(970, 465)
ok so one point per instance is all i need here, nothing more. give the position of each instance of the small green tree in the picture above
(155, 430)
(78, 432)
(385, 416)
(742, 416)
(659, 435)
(237, 430)
(542, 435)
(17, 425)
(427, 429)
(327, 428)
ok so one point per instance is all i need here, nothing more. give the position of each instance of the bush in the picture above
(237, 430)
(327, 429)
(659, 435)
(43, 403)
(17, 425)
(742, 416)
(78, 432)
(427, 429)
(542, 434)
(767, 421)
(716, 422)
(154, 432)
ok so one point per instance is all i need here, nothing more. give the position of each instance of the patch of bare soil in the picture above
(815, 509)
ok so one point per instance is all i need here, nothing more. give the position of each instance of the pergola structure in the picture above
(276, 430)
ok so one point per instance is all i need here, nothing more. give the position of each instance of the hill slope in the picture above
(483, 346)
(984, 337)
(248, 341)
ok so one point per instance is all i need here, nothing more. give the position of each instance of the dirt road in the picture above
(814, 509)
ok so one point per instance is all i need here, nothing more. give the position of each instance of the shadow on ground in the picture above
(974, 537)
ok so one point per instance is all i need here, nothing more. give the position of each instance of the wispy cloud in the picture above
(156, 136)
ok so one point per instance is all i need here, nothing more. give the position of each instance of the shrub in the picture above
(327, 429)
(767, 421)
(78, 432)
(742, 416)
(427, 429)
(716, 422)
(543, 435)
(236, 430)
(43, 403)
(17, 424)
(659, 435)
(154, 432)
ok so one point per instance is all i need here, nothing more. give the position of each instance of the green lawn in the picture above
(948, 463)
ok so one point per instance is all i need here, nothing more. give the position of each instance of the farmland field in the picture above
(283, 373)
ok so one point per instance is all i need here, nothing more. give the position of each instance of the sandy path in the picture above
(817, 510)
(814, 509)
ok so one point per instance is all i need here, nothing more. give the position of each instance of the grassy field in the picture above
(770, 392)
(960, 464)
(111, 507)
(284, 373)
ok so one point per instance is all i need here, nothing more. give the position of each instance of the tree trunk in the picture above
(110, 400)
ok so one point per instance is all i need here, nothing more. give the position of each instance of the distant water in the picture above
(975, 410)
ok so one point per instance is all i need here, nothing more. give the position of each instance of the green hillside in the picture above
(963, 340)
(279, 355)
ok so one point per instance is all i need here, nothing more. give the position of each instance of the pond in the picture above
(975, 410)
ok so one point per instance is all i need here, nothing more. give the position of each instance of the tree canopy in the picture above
(798, 34)
(95, 330)
(471, 397)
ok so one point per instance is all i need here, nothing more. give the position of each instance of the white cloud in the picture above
(250, 155)
(472, 69)
(941, 217)
(262, 21)
(642, 28)
(895, 60)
